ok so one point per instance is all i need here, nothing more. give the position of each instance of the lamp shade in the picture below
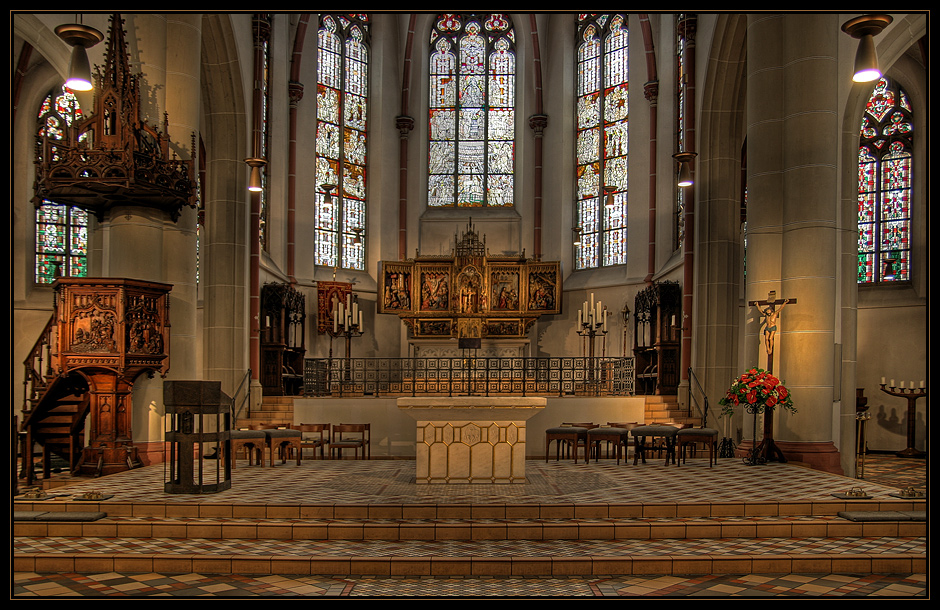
(865, 28)
(866, 61)
(79, 37)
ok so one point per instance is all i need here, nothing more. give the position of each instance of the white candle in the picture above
(580, 318)
(921, 383)
(882, 381)
(892, 383)
(360, 319)
(902, 384)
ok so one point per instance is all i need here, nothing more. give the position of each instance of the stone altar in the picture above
(470, 439)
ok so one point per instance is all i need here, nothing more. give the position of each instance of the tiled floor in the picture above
(389, 481)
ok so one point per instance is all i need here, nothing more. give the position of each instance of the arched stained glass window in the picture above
(471, 154)
(342, 104)
(601, 144)
(884, 186)
(61, 231)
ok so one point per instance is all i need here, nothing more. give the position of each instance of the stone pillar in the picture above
(793, 209)
(145, 243)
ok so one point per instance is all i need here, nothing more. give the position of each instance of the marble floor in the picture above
(390, 481)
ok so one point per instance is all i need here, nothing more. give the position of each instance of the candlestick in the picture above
(912, 395)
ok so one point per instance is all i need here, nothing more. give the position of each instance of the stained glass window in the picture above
(682, 84)
(602, 115)
(264, 41)
(61, 231)
(884, 186)
(342, 106)
(471, 119)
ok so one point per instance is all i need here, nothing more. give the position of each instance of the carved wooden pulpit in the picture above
(111, 330)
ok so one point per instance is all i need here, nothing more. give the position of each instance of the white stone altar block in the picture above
(470, 439)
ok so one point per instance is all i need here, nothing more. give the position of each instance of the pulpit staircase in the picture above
(54, 410)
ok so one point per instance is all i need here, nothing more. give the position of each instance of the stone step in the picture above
(470, 558)
(39, 524)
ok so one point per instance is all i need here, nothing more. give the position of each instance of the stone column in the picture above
(146, 243)
(793, 207)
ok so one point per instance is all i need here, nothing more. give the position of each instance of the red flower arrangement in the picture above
(759, 391)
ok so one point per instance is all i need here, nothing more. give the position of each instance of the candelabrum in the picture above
(911, 394)
(347, 323)
(592, 323)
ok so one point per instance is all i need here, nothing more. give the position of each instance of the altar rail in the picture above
(490, 376)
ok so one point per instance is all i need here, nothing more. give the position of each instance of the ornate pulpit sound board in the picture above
(470, 295)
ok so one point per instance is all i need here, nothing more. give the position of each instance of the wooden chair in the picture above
(252, 439)
(283, 440)
(314, 436)
(350, 436)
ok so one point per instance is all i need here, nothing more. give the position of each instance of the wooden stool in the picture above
(667, 433)
(284, 440)
(619, 436)
(690, 436)
(570, 436)
(252, 440)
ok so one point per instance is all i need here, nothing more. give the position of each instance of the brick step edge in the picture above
(595, 565)
(471, 530)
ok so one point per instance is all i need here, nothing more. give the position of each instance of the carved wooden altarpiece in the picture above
(470, 294)
(110, 331)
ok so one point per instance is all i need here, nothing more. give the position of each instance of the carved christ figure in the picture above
(769, 324)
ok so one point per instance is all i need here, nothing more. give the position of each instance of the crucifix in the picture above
(770, 313)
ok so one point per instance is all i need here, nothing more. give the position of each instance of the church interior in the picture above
(588, 225)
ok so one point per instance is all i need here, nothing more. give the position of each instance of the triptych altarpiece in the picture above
(469, 294)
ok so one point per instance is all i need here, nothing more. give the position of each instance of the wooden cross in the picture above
(768, 449)
(769, 311)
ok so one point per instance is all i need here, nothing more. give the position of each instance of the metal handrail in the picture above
(236, 410)
(692, 399)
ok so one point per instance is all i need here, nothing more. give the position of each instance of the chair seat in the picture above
(697, 432)
(280, 433)
(247, 434)
(666, 431)
(566, 430)
(608, 431)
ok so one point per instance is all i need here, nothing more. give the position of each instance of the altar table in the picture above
(470, 439)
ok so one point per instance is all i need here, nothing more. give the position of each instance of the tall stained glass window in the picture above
(884, 186)
(471, 118)
(684, 22)
(342, 104)
(61, 231)
(601, 144)
(263, 36)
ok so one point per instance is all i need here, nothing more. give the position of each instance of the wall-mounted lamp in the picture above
(865, 28)
(79, 37)
(254, 180)
(609, 201)
(685, 171)
(577, 235)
